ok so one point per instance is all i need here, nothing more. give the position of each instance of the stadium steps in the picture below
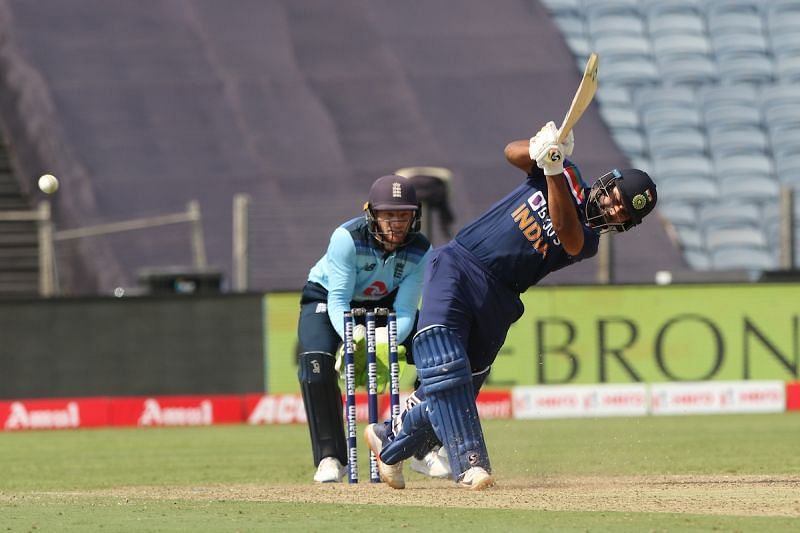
(19, 247)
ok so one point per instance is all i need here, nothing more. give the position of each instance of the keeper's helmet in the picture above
(392, 193)
(636, 190)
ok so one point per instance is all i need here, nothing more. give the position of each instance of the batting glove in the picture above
(547, 152)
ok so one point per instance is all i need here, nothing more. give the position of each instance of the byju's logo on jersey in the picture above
(378, 288)
(525, 217)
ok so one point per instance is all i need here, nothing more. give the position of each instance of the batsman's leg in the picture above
(322, 399)
(443, 368)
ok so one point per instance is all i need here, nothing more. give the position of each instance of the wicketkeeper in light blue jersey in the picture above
(374, 260)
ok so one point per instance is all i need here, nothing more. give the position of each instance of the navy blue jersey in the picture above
(515, 240)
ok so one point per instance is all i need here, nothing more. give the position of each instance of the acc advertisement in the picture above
(616, 334)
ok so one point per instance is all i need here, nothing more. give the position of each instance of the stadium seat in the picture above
(631, 72)
(761, 189)
(729, 213)
(785, 45)
(723, 117)
(671, 47)
(734, 22)
(716, 8)
(594, 9)
(693, 71)
(613, 95)
(615, 47)
(674, 97)
(620, 117)
(782, 16)
(677, 142)
(679, 213)
(719, 238)
(754, 69)
(784, 141)
(787, 69)
(631, 142)
(697, 260)
(713, 95)
(676, 23)
(737, 44)
(683, 166)
(670, 116)
(751, 164)
(690, 238)
(779, 94)
(615, 24)
(788, 170)
(665, 7)
(690, 190)
(744, 258)
(727, 142)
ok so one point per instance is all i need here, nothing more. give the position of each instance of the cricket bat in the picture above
(583, 97)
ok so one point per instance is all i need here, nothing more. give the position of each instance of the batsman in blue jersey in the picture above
(375, 260)
(472, 289)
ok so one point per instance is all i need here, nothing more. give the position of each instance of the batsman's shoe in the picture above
(392, 475)
(434, 464)
(330, 470)
(476, 478)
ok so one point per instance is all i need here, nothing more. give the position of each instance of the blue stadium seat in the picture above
(734, 22)
(691, 190)
(631, 72)
(685, 23)
(760, 189)
(756, 69)
(620, 118)
(720, 238)
(715, 8)
(690, 238)
(677, 142)
(724, 116)
(679, 213)
(713, 95)
(737, 44)
(615, 47)
(727, 142)
(670, 116)
(787, 69)
(730, 213)
(692, 71)
(671, 47)
(744, 258)
(594, 9)
(674, 97)
(683, 166)
(752, 164)
(697, 260)
(615, 24)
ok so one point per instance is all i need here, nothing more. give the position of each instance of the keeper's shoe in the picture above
(434, 464)
(330, 470)
(476, 478)
(392, 475)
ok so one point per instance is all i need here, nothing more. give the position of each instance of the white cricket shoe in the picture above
(330, 470)
(434, 464)
(476, 478)
(392, 475)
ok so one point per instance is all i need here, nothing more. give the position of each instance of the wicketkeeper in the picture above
(374, 260)
(472, 289)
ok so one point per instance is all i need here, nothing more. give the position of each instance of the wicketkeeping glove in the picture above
(547, 152)
(360, 356)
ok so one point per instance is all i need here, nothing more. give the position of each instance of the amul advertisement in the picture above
(616, 334)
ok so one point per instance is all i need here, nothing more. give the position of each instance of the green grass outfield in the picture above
(694, 473)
